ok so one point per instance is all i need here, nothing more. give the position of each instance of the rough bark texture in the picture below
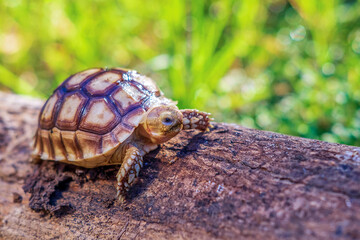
(229, 183)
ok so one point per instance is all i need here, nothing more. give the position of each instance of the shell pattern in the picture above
(92, 112)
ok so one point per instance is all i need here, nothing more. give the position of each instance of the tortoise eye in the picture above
(167, 119)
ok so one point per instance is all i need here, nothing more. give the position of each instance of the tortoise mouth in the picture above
(177, 127)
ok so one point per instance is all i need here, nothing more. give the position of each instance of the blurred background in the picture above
(286, 66)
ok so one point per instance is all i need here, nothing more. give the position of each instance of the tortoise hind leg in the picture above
(194, 119)
(129, 170)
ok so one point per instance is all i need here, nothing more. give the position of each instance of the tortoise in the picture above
(101, 117)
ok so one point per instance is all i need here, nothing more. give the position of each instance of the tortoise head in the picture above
(163, 123)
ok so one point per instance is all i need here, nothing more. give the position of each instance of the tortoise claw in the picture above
(120, 198)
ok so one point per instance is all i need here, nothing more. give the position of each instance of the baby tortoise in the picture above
(113, 116)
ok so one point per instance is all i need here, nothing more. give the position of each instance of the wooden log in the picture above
(229, 183)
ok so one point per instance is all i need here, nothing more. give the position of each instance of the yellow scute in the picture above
(99, 115)
(49, 108)
(70, 107)
(79, 77)
(101, 83)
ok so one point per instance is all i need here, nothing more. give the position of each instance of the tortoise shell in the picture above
(91, 113)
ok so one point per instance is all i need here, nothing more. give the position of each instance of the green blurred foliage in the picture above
(290, 67)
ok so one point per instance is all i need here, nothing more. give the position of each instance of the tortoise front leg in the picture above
(129, 170)
(194, 119)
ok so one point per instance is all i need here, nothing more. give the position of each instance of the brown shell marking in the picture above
(92, 112)
(102, 83)
(69, 143)
(69, 113)
(76, 80)
(125, 97)
(48, 112)
(99, 118)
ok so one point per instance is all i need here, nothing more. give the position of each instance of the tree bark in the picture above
(229, 183)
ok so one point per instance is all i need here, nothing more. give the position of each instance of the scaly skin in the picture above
(194, 119)
(129, 170)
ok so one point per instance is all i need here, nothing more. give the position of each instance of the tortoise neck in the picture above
(143, 135)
